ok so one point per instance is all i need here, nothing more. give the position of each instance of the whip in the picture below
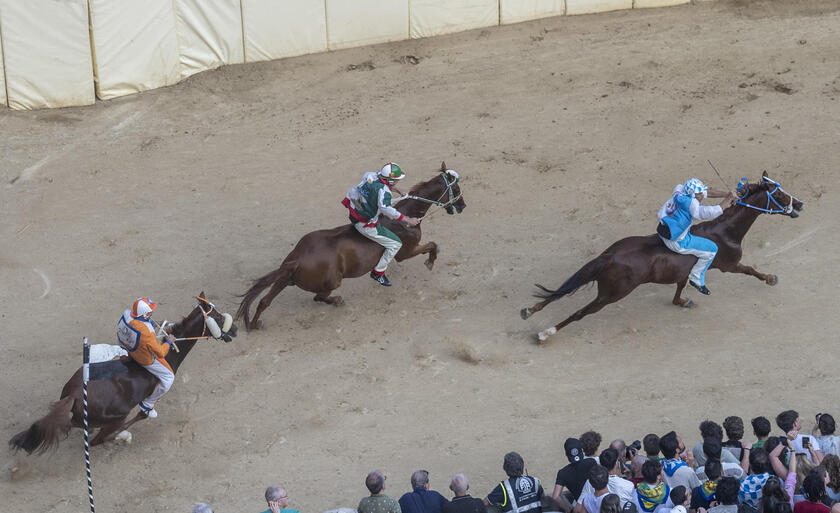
(721, 178)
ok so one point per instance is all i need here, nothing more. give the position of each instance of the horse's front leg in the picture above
(678, 299)
(430, 247)
(769, 279)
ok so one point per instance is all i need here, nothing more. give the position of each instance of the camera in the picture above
(806, 442)
(632, 449)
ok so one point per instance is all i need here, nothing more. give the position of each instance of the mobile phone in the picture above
(806, 442)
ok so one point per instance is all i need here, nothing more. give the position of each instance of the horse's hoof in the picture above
(123, 437)
(339, 301)
(429, 264)
(688, 304)
(772, 280)
(255, 325)
(525, 313)
(543, 335)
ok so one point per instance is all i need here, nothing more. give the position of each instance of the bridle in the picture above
(448, 192)
(772, 206)
(209, 324)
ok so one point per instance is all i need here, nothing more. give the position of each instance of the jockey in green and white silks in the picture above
(366, 202)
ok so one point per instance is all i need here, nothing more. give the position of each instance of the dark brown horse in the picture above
(112, 398)
(633, 261)
(321, 259)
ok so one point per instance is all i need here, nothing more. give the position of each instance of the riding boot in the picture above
(380, 278)
(702, 288)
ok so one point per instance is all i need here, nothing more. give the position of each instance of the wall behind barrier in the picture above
(55, 51)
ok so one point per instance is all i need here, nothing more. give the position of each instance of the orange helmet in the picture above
(143, 308)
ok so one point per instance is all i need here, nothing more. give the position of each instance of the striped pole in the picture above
(85, 378)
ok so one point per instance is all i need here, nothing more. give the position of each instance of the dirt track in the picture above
(570, 132)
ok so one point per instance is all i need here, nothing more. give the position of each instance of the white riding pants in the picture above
(165, 379)
(704, 249)
(379, 234)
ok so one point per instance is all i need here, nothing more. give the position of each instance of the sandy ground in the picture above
(569, 133)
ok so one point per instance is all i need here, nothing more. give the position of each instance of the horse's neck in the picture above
(416, 208)
(192, 328)
(739, 223)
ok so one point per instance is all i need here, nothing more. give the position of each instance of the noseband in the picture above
(772, 206)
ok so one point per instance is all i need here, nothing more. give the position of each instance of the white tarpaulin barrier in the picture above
(514, 11)
(283, 28)
(2, 72)
(46, 49)
(590, 6)
(658, 3)
(135, 46)
(435, 17)
(209, 34)
(366, 22)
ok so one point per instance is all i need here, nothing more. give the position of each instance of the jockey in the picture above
(136, 334)
(675, 219)
(366, 202)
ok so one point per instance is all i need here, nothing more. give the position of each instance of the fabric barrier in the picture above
(640, 4)
(365, 22)
(283, 28)
(2, 72)
(592, 6)
(135, 46)
(514, 11)
(436, 17)
(209, 34)
(46, 49)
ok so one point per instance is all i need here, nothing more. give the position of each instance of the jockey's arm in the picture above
(388, 211)
(704, 213)
(160, 349)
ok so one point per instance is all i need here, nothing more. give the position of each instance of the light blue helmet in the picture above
(695, 186)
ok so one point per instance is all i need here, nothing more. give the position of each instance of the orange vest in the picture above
(137, 336)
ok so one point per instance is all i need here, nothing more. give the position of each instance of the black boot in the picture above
(702, 288)
(381, 278)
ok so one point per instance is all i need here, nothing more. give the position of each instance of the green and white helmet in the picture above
(391, 172)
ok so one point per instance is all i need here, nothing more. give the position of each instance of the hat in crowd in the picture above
(574, 451)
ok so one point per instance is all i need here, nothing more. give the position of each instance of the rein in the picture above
(438, 203)
(772, 206)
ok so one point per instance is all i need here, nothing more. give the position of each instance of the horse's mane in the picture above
(416, 187)
(752, 188)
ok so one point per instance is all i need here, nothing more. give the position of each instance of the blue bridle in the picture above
(772, 206)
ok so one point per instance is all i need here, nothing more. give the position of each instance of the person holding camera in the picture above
(789, 421)
(824, 433)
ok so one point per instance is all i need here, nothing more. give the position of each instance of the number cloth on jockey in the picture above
(689, 209)
(517, 495)
(137, 336)
(366, 202)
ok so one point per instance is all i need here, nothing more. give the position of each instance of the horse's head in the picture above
(767, 196)
(217, 324)
(444, 190)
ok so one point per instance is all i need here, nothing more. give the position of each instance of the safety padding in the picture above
(514, 11)
(134, 46)
(283, 28)
(591, 6)
(46, 49)
(365, 22)
(209, 34)
(641, 4)
(435, 17)
(2, 72)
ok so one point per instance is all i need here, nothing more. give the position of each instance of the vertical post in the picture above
(85, 378)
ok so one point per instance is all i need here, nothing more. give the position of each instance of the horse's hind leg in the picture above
(528, 312)
(266, 300)
(107, 432)
(605, 297)
(769, 279)
(678, 299)
(325, 297)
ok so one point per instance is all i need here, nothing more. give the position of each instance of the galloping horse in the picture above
(112, 398)
(633, 261)
(321, 259)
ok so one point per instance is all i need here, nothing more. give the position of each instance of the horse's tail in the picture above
(43, 434)
(284, 272)
(586, 274)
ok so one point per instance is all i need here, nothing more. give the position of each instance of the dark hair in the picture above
(771, 444)
(832, 466)
(669, 444)
(813, 487)
(589, 442)
(711, 429)
(713, 469)
(608, 458)
(727, 490)
(734, 427)
(513, 465)
(375, 481)
(598, 477)
(826, 424)
(677, 495)
(650, 443)
(711, 448)
(781, 507)
(772, 493)
(761, 426)
(786, 420)
(611, 504)
(651, 470)
(759, 461)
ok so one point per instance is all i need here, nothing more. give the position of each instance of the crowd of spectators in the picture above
(791, 473)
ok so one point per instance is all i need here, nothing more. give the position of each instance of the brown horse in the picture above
(321, 259)
(112, 398)
(633, 261)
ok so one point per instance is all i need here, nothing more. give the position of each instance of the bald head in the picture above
(621, 447)
(459, 485)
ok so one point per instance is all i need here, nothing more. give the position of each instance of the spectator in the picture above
(831, 463)
(462, 502)
(726, 494)
(650, 444)
(703, 495)
(771, 494)
(711, 429)
(421, 499)
(677, 471)
(636, 469)
(377, 502)
(761, 430)
(814, 489)
(621, 449)
(277, 500)
(804, 467)
(734, 427)
(574, 475)
(789, 421)
(518, 492)
(787, 474)
(202, 508)
(752, 485)
(712, 450)
(589, 442)
(679, 497)
(616, 484)
(598, 480)
(611, 504)
(829, 442)
(652, 493)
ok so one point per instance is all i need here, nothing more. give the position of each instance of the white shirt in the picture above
(625, 489)
(797, 445)
(729, 470)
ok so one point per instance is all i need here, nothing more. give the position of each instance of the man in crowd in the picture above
(377, 502)
(650, 444)
(518, 493)
(677, 471)
(421, 499)
(761, 430)
(713, 451)
(652, 493)
(726, 495)
(711, 429)
(752, 485)
(636, 469)
(703, 495)
(616, 484)
(589, 442)
(789, 421)
(734, 427)
(598, 481)
(462, 502)
(277, 500)
(573, 476)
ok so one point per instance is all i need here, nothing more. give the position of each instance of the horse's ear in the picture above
(764, 174)
(201, 295)
(442, 166)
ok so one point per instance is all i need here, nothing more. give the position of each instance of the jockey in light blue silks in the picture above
(366, 202)
(675, 219)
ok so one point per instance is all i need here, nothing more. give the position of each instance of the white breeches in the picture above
(392, 247)
(165, 379)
